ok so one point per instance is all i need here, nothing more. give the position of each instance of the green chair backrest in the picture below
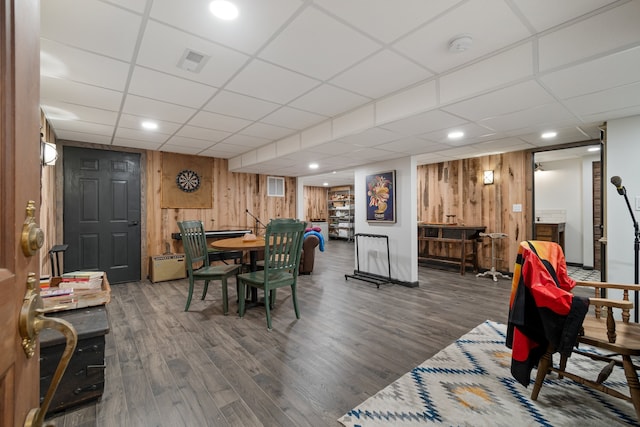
(194, 242)
(283, 245)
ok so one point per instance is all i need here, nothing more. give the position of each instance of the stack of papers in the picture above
(82, 280)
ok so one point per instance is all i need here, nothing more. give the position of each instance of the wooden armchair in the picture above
(547, 317)
(601, 330)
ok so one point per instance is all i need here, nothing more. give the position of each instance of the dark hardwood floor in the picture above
(167, 367)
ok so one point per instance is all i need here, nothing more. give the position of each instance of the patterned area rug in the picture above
(469, 384)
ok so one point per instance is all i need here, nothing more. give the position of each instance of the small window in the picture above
(275, 186)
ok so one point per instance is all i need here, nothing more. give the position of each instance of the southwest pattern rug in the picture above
(469, 384)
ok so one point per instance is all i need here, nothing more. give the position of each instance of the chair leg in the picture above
(295, 300)
(241, 295)
(632, 382)
(205, 289)
(225, 297)
(543, 369)
(190, 294)
(267, 303)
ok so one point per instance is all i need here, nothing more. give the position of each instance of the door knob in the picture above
(32, 236)
(31, 322)
(133, 223)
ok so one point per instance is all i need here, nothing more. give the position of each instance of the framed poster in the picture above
(381, 197)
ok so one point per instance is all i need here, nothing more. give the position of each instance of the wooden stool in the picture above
(493, 272)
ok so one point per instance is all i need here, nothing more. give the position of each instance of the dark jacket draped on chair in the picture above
(542, 310)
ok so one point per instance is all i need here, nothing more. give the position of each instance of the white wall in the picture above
(403, 242)
(623, 160)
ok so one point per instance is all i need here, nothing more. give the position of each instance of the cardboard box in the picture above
(80, 298)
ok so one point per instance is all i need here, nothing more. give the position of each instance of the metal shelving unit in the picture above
(341, 213)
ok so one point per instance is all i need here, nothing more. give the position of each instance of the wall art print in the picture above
(381, 197)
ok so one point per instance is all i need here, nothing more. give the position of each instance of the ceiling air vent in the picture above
(192, 61)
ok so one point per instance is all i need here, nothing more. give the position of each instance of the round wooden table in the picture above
(240, 244)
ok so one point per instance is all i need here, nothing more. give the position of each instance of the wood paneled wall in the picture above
(315, 203)
(233, 194)
(47, 203)
(456, 188)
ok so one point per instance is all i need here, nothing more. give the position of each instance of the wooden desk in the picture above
(238, 243)
(445, 236)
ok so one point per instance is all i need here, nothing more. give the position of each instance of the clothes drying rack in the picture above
(364, 275)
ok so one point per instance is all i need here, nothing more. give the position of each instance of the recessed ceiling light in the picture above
(326, 184)
(548, 135)
(150, 125)
(223, 9)
(455, 135)
(594, 149)
(313, 166)
(334, 172)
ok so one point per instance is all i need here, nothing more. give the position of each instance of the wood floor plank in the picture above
(168, 367)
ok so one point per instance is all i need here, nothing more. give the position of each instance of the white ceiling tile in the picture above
(200, 144)
(411, 145)
(242, 106)
(607, 72)
(82, 127)
(544, 14)
(549, 114)
(370, 137)
(472, 132)
(334, 148)
(503, 145)
(316, 135)
(383, 19)
(424, 123)
(202, 133)
(497, 28)
(293, 118)
(381, 74)
(288, 145)
(60, 61)
(134, 5)
(140, 135)
(520, 96)
(216, 121)
(246, 141)
(329, 101)
(154, 109)
(71, 135)
(80, 112)
(299, 47)
(510, 66)
(249, 158)
(91, 25)
(268, 131)
(271, 83)
(411, 101)
(168, 88)
(606, 100)
(594, 36)
(78, 93)
(133, 143)
(229, 148)
(354, 122)
(221, 153)
(266, 152)
(182, 149)
(163, 47)
(565, 135)
(258, 20)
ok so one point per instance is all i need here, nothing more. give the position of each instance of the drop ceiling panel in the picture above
(140, 135)
(568, 134)
(520, 96)
(537, 11)
(299, 48)
(497, 28)
(264, 130)
(135, 122)
(370, 137)
(70, 135)
(60, 61)
(333, 148)
(220, 151)
(200, 144)
(196, 132)
(151, 108)
(549, 114)
(271, 83)
(472, 133)
(242, 106)
(80, 112)
(181, 149)
(607, 72)
(424, 123)
(246, 141)
(162, 48)
(216, 121)
(383, 73)
(83, 127)
(132, 143)
(257, 22)
(164, 87)
(223, 147)
(606, 100)
(91, 25)
(328, 100)
(594, 36)
(78, 93)
(292, 118)
(411, 145)
(504, 145)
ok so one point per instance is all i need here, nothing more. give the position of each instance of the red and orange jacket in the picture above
(542, 310)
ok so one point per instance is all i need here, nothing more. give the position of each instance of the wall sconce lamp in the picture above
(49, 153)
(487, 177)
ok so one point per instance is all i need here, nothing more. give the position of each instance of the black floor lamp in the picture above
(617, 181)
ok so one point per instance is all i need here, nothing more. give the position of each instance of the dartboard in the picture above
(188, 180)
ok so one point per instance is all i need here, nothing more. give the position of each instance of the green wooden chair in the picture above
(195, 248)
(281, 263)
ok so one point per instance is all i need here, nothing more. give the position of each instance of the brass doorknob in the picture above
(32, 236)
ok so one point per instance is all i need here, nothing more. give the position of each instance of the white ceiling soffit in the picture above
(339, 83)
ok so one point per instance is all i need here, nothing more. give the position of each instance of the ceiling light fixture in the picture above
(313, 166)
(149, 125)
(326, 184)
(594, 149)
(224, 10)
(455, 134)
(460, 43)
(549, 135)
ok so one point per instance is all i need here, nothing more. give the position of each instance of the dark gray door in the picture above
(102, 212)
